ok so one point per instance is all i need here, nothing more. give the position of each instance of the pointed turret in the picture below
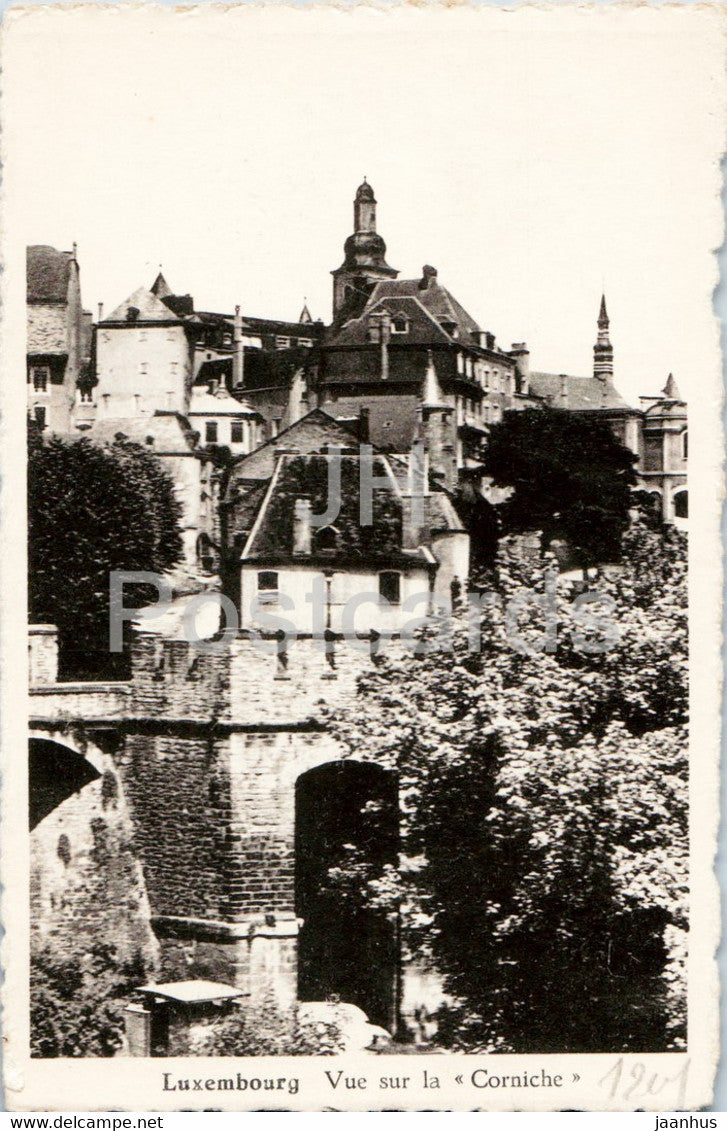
(160, 287)
(305, 313)
(671, 389)
(432, 397)
(435, 430)
(603, 350)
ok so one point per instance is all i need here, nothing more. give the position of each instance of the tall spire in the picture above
(305, 312)
(603, 350)
(671, 389)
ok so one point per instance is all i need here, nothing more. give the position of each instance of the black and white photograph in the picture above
(364, 646)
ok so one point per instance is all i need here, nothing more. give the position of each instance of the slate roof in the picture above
(584, 393)
(271, 539)
(393, 420)
(170, 431)
(425, 306)
(259, 465)
(47, 274)
(151, 309)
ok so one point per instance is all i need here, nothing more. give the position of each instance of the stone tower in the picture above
(364, 262)
(603, 350)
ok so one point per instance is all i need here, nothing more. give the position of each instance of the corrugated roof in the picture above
(47, 274)
(583, 393)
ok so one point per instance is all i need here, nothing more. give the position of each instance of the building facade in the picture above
(59, 336)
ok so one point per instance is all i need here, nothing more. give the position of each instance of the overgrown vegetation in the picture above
(544, 809)
(77, 1005)
(268, 1031)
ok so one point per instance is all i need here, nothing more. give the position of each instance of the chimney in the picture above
(212, 387)
(563, 399)
(100, 312)
(238, 358)
(302, 526)
(385, 334)
(429, 275)
(364, 425)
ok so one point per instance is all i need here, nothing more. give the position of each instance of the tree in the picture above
(77, 1005)
(543, 795)
(571, 479)
(92, 510)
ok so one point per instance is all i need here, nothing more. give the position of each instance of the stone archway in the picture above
(56, 772)
(346, 951)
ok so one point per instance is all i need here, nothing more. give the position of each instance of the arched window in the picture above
(325, 539)
(681, 504)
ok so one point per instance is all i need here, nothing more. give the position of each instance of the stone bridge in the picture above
(230, 801)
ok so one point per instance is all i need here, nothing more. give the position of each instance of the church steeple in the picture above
(364, 262)
(364, 209)
(603, 350)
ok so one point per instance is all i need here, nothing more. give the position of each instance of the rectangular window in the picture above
(40, 375)
(390, 586)
(306, 342)
(210, 432)
(236, 432)
(267, 586)
(282, 343)
(39, 413)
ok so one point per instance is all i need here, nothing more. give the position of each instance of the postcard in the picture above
(362, 582)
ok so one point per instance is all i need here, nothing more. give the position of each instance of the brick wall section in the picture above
(42, 653)
(178, 791)
(80, 701)
(243, 684)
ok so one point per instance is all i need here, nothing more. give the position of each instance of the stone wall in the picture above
(86, 883)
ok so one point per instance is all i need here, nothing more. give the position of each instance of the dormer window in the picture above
(325, 539)
(400, 324)
(132, 313)
(373, 330)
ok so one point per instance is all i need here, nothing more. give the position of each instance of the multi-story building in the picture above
(59, 336)
(663, 464)
(389, 333)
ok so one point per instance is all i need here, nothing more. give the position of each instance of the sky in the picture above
(534, 157)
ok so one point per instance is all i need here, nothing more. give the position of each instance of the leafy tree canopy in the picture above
(571, 478)
(544, 839)
(92, 510)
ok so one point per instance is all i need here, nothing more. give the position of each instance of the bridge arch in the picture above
(58, 767)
